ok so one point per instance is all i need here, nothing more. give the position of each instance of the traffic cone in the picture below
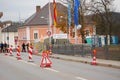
(50, 52)
(11, 50)
(30, 53)
(18, 53)
(94, 57)
(94, 61)
(45, 62)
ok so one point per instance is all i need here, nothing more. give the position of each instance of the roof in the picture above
(12, 28)
(41, 17)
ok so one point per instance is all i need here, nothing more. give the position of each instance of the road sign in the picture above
(60, 36)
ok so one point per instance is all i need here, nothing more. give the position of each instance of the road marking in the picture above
(28, 62)
(80, 78)
(51, 69)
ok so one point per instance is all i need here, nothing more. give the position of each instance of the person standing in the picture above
(1, 47)
(23, 47)
(27, 46)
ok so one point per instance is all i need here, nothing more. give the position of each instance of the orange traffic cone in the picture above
(45, 62)
(94, 61)
(94, 57)
(50, 51)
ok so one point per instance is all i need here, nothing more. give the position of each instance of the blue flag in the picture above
(69, 13)
(76, 7)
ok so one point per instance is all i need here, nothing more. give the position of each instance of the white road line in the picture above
(28, 62)
(80, 78)
(51, 69)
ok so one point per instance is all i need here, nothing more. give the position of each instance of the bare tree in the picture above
(102, 16)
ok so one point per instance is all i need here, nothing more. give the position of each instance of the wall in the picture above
(11, 40)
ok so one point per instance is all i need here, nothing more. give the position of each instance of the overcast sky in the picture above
(16, 10)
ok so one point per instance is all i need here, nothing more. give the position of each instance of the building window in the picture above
(35, 35)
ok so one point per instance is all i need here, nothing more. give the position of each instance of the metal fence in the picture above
(84, 50)
(109, 52)
(70, 49)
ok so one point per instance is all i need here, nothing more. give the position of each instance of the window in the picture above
(35, 35)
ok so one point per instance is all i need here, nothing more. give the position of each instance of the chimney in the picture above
(38, 9)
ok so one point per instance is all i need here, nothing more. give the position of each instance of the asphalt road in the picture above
(13, 69)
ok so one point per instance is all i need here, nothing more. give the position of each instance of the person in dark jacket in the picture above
(23, 47)
(1, 47)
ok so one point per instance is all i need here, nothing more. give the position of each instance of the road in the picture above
(13, 69)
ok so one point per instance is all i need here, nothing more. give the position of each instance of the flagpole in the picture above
(76, 8)
(69, 18)
(76, 40)
(49, 24)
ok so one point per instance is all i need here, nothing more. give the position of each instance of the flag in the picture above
(55, 13)
(69, 13)
(76, 7)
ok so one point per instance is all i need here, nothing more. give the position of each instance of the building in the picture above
(36, 26)
(10, 34)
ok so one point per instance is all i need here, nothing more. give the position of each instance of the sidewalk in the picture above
(100, 62)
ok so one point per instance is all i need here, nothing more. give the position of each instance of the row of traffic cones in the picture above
(18, 53)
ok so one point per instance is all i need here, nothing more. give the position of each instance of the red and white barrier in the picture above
(11, 50)
(30, 52)
(45, 62)
(18, 53)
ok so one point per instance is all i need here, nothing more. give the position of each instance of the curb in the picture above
(88, 62)
(83, 61)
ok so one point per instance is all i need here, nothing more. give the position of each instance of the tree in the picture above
(102, 16)
(82, 12)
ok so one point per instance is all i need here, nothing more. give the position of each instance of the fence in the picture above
(109, 52)
(106, 52)
(70, 49)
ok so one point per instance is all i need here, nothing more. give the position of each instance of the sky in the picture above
(20, 10)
